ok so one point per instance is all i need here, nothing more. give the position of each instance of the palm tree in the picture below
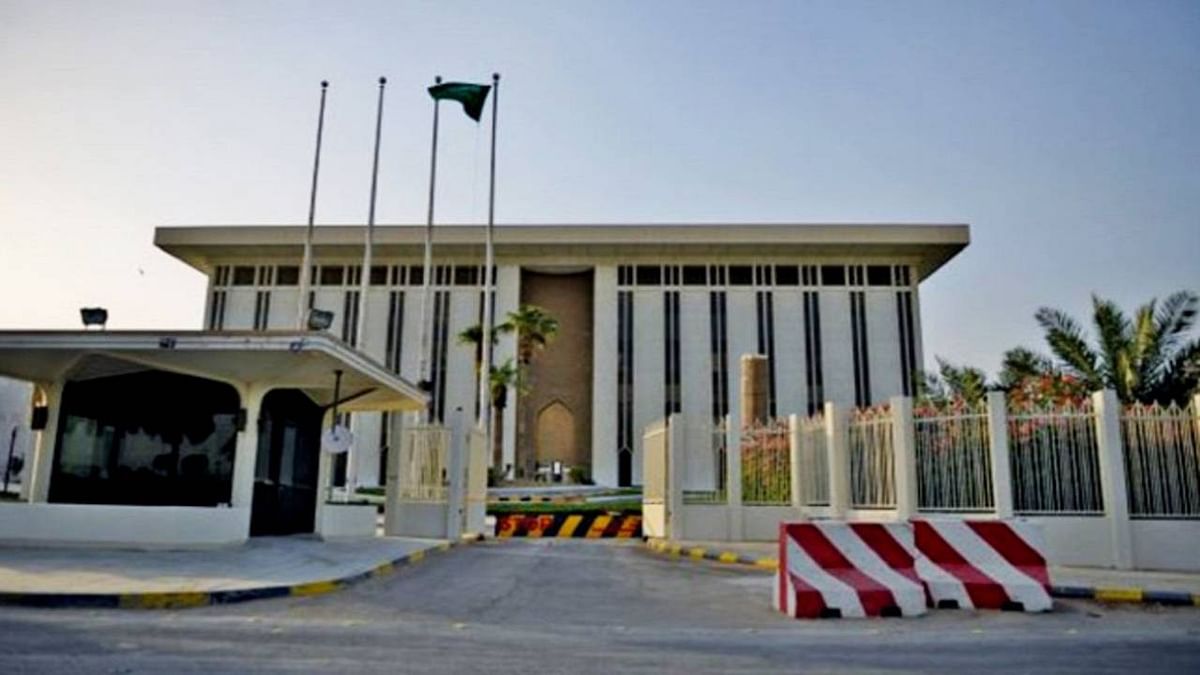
(953, 383)
(503, 376)
(535, 328)
(1144, 358)
(473, 335)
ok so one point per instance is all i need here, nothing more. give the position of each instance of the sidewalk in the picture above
(1109, 585)
(264, 567)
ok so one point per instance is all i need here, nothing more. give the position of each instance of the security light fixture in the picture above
(319, 319)
(93, 316)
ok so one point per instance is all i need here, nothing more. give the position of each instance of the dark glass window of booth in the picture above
(149, 438)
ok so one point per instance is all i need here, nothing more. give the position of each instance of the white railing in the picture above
(872, 460)
(953, 458)
(704, 458)
(814, 461)
(1055, 467)
(1162, 460)
(422, 469)
(766, 464)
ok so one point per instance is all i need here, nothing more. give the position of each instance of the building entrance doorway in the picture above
(285, 474)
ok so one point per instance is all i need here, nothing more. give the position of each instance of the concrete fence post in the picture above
(455, 467)
(795, 457)
(1111, 458)
(1001, 462)
(837, 443)
(733, 474)
(904, 457)
(676, 469)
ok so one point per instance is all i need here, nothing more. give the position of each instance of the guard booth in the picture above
(184, 439)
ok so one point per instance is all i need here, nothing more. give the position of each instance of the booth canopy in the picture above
(274, 359)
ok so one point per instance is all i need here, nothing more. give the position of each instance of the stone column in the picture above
(1001, 463)
(1111, 458)
(755, 388)
(837, 441)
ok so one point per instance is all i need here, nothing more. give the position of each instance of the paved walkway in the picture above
(263, 562)
(1085, 577)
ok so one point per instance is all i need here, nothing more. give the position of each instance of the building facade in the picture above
(653, 319)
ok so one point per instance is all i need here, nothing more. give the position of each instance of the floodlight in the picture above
(319, 319)
(93, 316)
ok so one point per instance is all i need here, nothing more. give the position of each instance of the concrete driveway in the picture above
(576, 606)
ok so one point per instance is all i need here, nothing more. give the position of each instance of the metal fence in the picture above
(872, 459)
(1055, 466)
(953, 457)
(767, 464)
(422, 466)
(814, 461)
(1162, 460)
(705, 467)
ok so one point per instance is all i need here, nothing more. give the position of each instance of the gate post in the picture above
(997, 419)
(456, 468)
(795, 455)
(1112, 476)
(837, 443)
(674, 474)
(904, 449)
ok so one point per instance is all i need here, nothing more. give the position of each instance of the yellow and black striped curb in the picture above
(700, 553)
(1096, 593)
(594, 525)
(185, 599)
(530, 499)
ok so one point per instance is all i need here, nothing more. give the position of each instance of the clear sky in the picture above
(1065, 133)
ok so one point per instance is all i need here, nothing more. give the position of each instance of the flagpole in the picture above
(485, 384)
(306, 265)
(360, 329)
(427, 269)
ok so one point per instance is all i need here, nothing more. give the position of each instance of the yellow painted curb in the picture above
(314, 588)
(696, 553)
(1118, 594)
(1196, 599)
(384, 569)
(416, 556)
(728, 557)
(445, 546)
(767, 563)
(164, 600)
(675, 549)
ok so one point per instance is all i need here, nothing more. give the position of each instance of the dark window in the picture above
(466, 276)
(379, 275)
(833, 275)
(787, 275)
(332, 276)
(129, 439)
(243, 276)
(416, 275)
(879, 275)
(741, 275)
(287, 276)
(649, 275)
(694, 275)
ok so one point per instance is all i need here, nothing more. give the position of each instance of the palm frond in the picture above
(1112, 331)
(1180, 377)
(1065, 339)
(1175, 318)
(1020, 363)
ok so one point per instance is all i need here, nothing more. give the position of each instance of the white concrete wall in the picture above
(649, 369)
(604, 376)
(883, 344)
(1166, 545)
(837, 356)
(347, 521)
(151, 527)
(239, 308)
(791, 396)
(16, 401)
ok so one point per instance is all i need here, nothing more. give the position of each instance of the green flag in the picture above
(471, 96)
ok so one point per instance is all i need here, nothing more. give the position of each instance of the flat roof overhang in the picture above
(273, 359)
(927, 246)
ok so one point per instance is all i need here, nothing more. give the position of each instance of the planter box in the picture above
(341, 521)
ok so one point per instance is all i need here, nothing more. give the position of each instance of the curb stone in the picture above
(1104, 594)
(186, 599)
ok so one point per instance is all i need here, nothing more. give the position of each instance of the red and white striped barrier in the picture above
(983, 564)
(847, 570)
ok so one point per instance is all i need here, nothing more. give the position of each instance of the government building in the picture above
(653, 320)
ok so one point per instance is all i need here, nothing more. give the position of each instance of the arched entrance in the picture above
(286, 470)
(556, 435)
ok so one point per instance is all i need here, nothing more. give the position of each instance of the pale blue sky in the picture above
(1065, 133)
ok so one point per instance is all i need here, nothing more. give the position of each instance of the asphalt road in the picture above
(570, 606)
